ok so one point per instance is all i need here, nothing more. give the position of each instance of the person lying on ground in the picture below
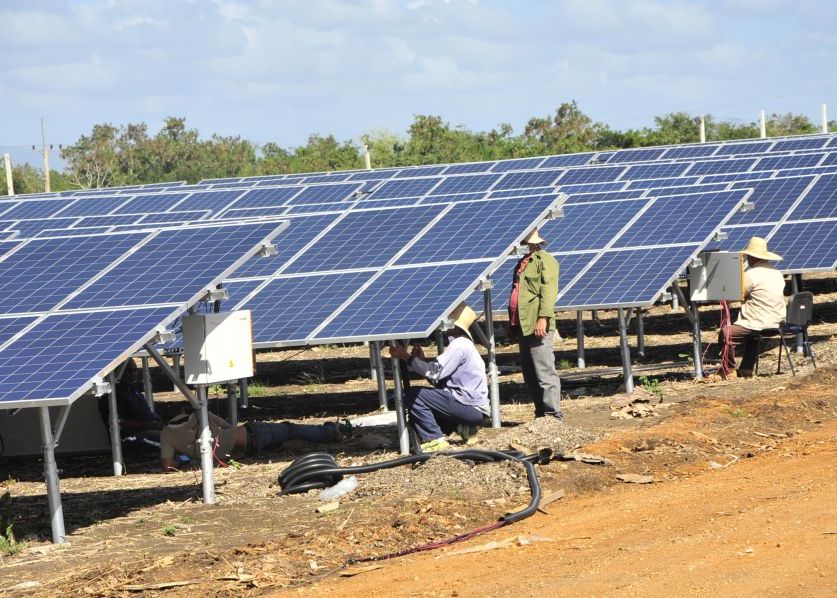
(139, 426)
(459, 399)
(182, 436)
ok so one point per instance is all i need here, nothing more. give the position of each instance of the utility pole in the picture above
(46, 157)
(10, 185)
(702, 128)
(367, 157)
(762, 125)
(824, 118)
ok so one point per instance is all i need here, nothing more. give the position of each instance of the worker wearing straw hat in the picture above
(763, 307)
(532, 322)
(459, 399)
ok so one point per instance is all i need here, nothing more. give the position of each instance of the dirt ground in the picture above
(740, 498)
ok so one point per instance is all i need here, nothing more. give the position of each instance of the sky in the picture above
(281, 70)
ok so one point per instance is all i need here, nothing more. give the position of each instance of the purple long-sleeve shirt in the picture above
(459, 370)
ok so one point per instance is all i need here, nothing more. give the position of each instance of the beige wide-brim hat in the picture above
(534, 238)
(757, 247)
(463, 317)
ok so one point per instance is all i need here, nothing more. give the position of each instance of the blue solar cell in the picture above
(469, 167)
(373, 175)
(191, 216)
(589, 225)
(740, 176)
(94, 206)
(690, 218)
(798, 144)
(739, 236)
(625, 278)
(44, 272)
(71, 232)
(594, 187)
(404, 303)
(224, 180)
(594, 174)
(806, 246)
(655, 171)
(145, 204)
(365, 239)
(830, 159)
(476, 230)
(636, 155)
(28, 228)
(326, 178)
(523, 180)
(820, 201)
(405, 188)
(773, 198)
(584, 198)
(520, 192)
(173, 265)
(792, 161)
(34, 208)
(466, 183)
(325, 193)
(11, 326)
(833, 142)
(666, 182)
(239, 186)
(804, 171)
(721, 166)
(659, 191)
(61, 355)
(290, 309)
(568, 160)
(734, 149)
(266, 198)
(209, 200)
(434, 199)
(253, 213)
(689, 151)
(518, 164)
(96, 221)
(389, 203)
(419, 171)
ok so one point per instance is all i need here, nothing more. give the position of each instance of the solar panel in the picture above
(567, 160)
(209, 200)
(577, 198)
(688, 189)
(523, 180)
(739, 176)
(773, 198)
(326, 178)
(655, 171)
(690, 151)
(405, 188)
(739, 236)
(434, 198)
(169, 217)
(373, 175)
(519, 164)
(267, 198)
(28, 228)
(797, 144)
(664, 182)
(254, 213)
(819, 202)
(10, 326)
(322, 193)
(635, 155)
(37, 208)
(830, 159)
(593, 174)
(589, 225)
(144, 204)
(793, 161)
(469, 167)
(806, 246)
(466, 184)
(721, 166)
(419, 171)
(754, 147)
(92, 206)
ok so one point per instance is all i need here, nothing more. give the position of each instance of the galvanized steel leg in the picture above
(640, 333)
(697, 347)
(373, 364)
(147, 386)
(579, 337)
(675, 298)
(115, 435)
(493, 372)
(440, 341)
(56, 512)
(232, 400)
(244, 391)
(175, 364)
(626, 351)
(206, 448)
(382, 379)
(795, 284)
(400, 413)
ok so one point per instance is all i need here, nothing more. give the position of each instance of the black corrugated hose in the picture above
(320, 470)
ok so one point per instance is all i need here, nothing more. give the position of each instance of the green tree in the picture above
(568, 131)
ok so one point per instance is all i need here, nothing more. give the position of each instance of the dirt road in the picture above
(765, 526)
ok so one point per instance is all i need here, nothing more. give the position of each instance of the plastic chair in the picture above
(797, 318)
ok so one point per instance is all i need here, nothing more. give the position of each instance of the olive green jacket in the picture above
(538, 291)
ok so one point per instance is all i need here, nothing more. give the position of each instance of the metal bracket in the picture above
(747, 206)
(485, 284)
(555, 214)
(665, 297)
(221, 294)
(519, 250)
(166, 336)
(62, 419)
(721, 236)
(268, 250)
(696, 263)
(100, 387)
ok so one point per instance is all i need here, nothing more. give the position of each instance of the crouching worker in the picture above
(139, 426)
(459, 399)
(182, 435)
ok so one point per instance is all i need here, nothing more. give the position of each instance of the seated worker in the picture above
(763, 307)
(139, 426)
(459, 399)
(182, 435)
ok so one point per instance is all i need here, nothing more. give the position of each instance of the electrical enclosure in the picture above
(719, 276)
(218, 347)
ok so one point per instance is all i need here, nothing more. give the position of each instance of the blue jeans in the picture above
(435, 412)
(266, 436)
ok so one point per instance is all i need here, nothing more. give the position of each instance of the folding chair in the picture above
(798, 316)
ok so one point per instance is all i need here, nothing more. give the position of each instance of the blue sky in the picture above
(280, 70)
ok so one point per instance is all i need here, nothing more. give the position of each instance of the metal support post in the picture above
(148, 388)
(626, 351)
(115, 436)
(702, 128)
(579, 337)
(10, 186)
(440, 341)
(493, 372)
(244, 391)
(795, 284)
(400, 413)
(696, 341)
(373, 364)
(172, 375)
(206, 448)
(232, 400)
(175, 363)
(762, 125)
(56, 512)
(640, 333)
(675, 297)
(823, 117)
(382, 378)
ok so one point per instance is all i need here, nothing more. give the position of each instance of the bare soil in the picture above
(742, 499)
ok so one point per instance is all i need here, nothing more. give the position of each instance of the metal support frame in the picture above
(244, 392)
(626, 351)
(675, 296)
(373, 363)
(796, 280)
(579, 337)
(400, 413)
(175, 362)
(148, 388)
(382, 378)
(172, 375)
(56, 511)
(115, 435)
(640, 333)
(493, 372)
(697, 347)
(440, 341)
(206, 447)
(232, 400)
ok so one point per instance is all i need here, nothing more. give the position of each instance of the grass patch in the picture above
(170, 530)
(651, 386)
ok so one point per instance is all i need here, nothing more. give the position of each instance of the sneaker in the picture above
(744, 373)
(432, 446)
(466, 431)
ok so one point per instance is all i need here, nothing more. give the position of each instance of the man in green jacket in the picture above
(532, 321)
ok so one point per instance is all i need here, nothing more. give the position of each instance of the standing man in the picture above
(532, 322)
(763, 307)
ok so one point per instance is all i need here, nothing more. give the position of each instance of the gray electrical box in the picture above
(717, 276)
(218, 347)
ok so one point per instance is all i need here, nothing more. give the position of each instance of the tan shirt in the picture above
(764, 301)
(183, 437)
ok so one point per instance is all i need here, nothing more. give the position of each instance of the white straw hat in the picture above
(463, 317)
(757, 247)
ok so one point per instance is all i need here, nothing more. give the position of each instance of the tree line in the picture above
(129, 155)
